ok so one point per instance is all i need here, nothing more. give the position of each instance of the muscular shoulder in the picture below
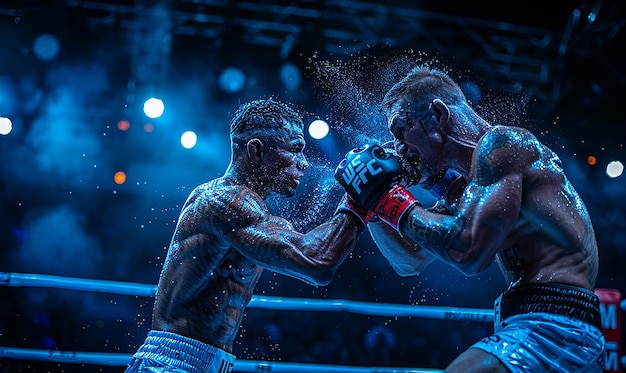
(503, 150)
(509, 137)
(219, 204)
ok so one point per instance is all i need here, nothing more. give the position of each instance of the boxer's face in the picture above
(285, 161)
(411, 137)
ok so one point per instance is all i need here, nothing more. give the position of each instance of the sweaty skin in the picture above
(224, 238)
(518, 207)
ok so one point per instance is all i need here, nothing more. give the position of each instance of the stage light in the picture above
(318, 129)
(153, 107)
(6, 126)
(232, 79)
(46, 47)
(119, 177)
(290, 76)
(592, 160)
(123, 125)
(188, 139)
(614, 169)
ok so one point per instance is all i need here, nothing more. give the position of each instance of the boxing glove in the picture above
(394, 204)
(367, 173)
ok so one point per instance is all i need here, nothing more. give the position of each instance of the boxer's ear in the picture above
(440, 112)
(255, 149)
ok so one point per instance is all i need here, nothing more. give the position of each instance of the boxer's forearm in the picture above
(435, 232)
(406, 258)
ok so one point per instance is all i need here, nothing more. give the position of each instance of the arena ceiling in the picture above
(567, 58)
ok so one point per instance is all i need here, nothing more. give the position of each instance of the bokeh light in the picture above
(318, 129)
(232, 79)
(290, 76)
(119, 177)
(153, 108)
(592, 160)
(614, 169)
(46, 47)
(6, 126)
(123, 125)
(188, 139)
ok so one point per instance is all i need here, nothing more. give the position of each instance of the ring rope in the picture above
(262, 302)
(12, 279)
(121, 359)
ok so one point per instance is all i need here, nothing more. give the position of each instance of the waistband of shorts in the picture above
(199, 355)
(559, 299)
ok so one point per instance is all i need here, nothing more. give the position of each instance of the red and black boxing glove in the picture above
(370, 176)
(394, 204)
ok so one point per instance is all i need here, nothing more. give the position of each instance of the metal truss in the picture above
(512, 57)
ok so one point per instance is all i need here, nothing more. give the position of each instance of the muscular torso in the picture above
(552, 239)
(519, 208)
(205, 284)
(223, 240)
(208, 307)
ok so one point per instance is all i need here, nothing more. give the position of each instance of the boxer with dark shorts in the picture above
(516, 206)
(224, 238)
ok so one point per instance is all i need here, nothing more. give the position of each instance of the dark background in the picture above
(550, 70)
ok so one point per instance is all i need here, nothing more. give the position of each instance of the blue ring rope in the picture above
(262, 302)
(267, 302)
(121, 359)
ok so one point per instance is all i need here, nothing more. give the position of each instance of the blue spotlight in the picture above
(290, 76)
(232, 80)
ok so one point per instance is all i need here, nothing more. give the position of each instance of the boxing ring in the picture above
(612, 305)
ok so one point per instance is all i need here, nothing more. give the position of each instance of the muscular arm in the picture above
(488, 209)
(273, 242)
(406, 258)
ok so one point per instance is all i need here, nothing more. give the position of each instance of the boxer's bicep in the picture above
(491, 203)
(255, 233)
(273, 242)
(312, 257)
(492, 211)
